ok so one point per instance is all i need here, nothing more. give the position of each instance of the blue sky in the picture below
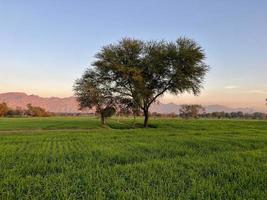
(46, 45)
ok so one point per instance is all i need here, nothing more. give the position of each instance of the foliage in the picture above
(143, 71)
(191, 111)
(127, 107)
(234, 115)
(35, 111)
(108, 112)
(217, 115)
(178, 159)
(3, 109)
(94, 91)
(18, 112)
(32, 111)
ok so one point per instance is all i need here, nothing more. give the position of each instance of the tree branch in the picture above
(160, 93)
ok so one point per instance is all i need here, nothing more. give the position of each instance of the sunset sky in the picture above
(46, 45)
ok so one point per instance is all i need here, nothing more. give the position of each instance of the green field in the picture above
(74, 158)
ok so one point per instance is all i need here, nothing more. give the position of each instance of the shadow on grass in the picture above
(127, 125)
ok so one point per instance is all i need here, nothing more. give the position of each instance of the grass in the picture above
(73, 158)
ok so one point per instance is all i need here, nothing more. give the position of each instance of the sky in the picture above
(46, 45)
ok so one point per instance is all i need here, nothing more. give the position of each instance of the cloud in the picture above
(231, 86)
(258, 91)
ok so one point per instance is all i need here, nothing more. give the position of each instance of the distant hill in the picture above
(70, 105)
(52, 104)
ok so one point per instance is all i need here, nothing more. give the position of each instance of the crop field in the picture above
(75, 158)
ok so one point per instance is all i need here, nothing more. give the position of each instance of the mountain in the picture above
(52, 104)
(70, 105)
(220, 108)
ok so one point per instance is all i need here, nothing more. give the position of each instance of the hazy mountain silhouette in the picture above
(70, 105)
(52, 104)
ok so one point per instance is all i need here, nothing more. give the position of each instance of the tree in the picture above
(144, 71)
(35, 111)
(3, 109)
(94, 91)
(18, 112)
(127, 106)
(191, 111)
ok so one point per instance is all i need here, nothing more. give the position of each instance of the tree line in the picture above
(187, 111)
(31, 111)
(195, 111)
(198, 111)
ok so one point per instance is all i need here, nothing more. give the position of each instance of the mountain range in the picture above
(70, 105)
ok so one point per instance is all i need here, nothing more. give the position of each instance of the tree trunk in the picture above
(103, 121)
(146, 114)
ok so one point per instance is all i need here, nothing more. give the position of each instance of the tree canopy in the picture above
(191, 111)
(94, 91)
(143, 71)
(3, 109)
(36, 111)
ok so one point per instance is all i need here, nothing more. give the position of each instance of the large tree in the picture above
(94, 91)
(144, 71)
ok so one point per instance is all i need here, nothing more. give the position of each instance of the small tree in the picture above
(35, 111)
(3, 109)
(144, 71)
(191, 111)
(94, 91)
(18, 112)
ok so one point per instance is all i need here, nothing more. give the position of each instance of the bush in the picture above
(35, 111)
(32, 111)
(3, 109)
